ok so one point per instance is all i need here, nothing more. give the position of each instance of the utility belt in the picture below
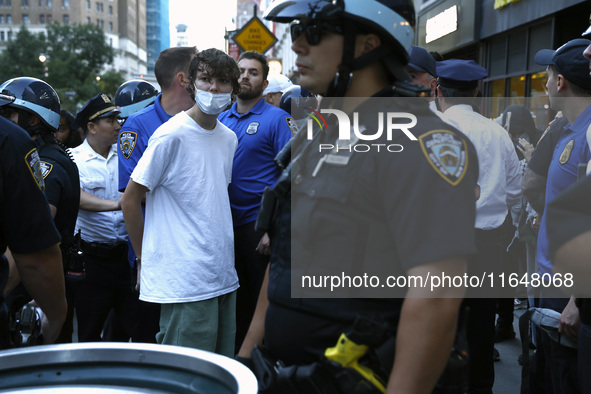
(359, 363)
(105, 250)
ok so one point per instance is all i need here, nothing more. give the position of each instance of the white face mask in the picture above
(212, 104)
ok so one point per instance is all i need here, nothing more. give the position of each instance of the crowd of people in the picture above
(189, 216)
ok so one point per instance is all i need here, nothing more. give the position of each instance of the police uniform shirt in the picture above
(572, 148)
(500, 171)
(569, 216)
(262, 132)
(134, 136)
(98, 176)
(393, 210)
(61, 187)
(542, 155)
(26, 221)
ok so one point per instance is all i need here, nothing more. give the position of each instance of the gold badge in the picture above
(565, 155)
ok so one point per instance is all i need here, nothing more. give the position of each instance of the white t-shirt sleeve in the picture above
(151, 167)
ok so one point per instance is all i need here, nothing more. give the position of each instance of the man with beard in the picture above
(262, 130)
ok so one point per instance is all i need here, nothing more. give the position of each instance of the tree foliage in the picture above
(76, 54)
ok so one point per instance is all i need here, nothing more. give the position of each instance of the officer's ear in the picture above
(90, 126)
(561, 82)
(182, 79)
(366, 43)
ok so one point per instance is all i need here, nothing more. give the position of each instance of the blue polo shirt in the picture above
(134, 137)
(262, 132)
(133, 141)
(571, 149)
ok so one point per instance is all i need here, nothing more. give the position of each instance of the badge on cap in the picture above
(45, 168)
(447, 154)
(565, 155)
(127, 140)
(34, 164)
(253, 127)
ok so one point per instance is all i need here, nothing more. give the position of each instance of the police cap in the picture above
(569, 61)
(460, 74)
(100, 106)
(422, 61)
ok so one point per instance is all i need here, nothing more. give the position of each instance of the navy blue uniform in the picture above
(26, 225)
(365, 212)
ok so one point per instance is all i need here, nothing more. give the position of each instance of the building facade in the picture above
(123, 21)
(157, 29)
(503, 36)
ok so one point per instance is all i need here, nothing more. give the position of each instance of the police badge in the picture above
(45, 168)
(253, 127)
(127, 140)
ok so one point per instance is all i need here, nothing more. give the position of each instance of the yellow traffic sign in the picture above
(255, 36)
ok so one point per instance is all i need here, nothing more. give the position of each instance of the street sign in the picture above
(255, 36)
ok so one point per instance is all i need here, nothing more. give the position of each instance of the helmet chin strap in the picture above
(349, 64)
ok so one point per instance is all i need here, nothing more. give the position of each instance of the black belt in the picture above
(105, 250)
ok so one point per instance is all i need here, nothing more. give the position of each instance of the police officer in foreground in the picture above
(133, 96)
(36, 108)
(344, 208)
(27, 228)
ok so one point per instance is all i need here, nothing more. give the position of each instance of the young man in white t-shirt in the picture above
(187, 248)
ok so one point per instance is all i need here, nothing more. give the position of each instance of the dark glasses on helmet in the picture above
(313, 31)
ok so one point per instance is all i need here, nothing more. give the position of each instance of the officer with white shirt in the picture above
(104, 236)
(499, 183)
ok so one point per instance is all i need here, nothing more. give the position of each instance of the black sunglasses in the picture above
(313, 31)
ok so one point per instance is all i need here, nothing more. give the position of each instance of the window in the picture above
(110, 26)
(88, 4)
(9, 21)
(88, 20)
(1, 19)
(1, 36)
(110, 10)
(1, 3)
(26, 19)
(25, 3)
(66, 19)
(66, 4)
(40, 3)
(9, 4)
(9, 36)
(98, 7)
(49, 18)
(49, 3)
(42, 19)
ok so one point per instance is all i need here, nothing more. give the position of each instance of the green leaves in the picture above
(76, 54)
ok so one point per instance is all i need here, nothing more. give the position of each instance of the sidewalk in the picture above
(508, 370)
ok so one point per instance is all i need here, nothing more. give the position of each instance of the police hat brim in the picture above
(113, 112)
(79, 121)
(544, 57)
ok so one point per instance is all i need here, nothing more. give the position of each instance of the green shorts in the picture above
(207, 325)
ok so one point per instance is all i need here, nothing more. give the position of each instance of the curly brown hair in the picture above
(217, 64)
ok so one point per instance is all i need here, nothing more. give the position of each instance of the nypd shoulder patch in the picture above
(293, 126)
(34, 165)
(447, 154)
(45, 168)
(127, 141)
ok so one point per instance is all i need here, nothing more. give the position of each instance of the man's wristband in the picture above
(137, 261)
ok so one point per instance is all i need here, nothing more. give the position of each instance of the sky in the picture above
(205, 19)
